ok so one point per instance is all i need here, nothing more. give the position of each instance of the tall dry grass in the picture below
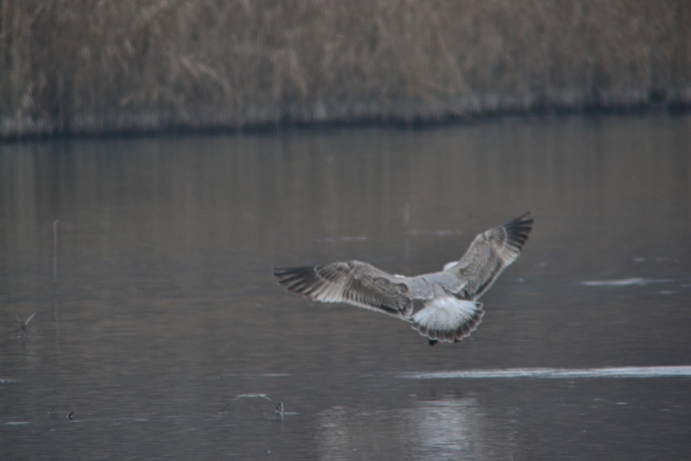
(91, 66)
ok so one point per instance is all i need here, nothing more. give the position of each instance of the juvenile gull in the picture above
(443, 306)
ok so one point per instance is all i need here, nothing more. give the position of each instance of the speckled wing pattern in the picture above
(352, 282)
(450, 309)
(489, 254)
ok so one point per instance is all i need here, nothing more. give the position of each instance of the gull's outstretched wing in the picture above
(352, 282)
(489, 254)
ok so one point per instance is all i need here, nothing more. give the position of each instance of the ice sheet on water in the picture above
(559, 373)
(637, 281)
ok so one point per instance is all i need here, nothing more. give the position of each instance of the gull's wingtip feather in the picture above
(519, 229)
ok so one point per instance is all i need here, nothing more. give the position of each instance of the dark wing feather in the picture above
(352, 282)
(489, 254)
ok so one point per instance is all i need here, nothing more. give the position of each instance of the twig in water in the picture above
(23, 333)
(55, 285)
(55, 251)
(279, 406)
(279, 409)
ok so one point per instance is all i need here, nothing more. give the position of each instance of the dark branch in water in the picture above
(22, 325)
(55, 251)
(55, 284)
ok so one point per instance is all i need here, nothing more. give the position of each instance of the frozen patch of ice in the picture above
(622, 282)
(558, 373)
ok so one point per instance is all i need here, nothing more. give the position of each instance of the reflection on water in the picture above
(446, 429)
(165, 307)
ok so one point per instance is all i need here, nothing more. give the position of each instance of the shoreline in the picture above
(152, 123)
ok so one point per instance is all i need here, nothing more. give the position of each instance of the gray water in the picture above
(155, 306)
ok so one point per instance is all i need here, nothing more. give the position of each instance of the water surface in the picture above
(164, 307)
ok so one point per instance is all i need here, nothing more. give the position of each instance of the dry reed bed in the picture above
(90, 66)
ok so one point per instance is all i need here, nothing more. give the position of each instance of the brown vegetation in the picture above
(91, 66)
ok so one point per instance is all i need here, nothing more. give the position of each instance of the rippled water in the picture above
(164, 309)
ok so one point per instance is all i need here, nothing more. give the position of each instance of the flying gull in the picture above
(443, 306)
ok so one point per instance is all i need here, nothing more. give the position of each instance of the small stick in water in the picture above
(55, 251)
(23, 333)
(55, 284)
